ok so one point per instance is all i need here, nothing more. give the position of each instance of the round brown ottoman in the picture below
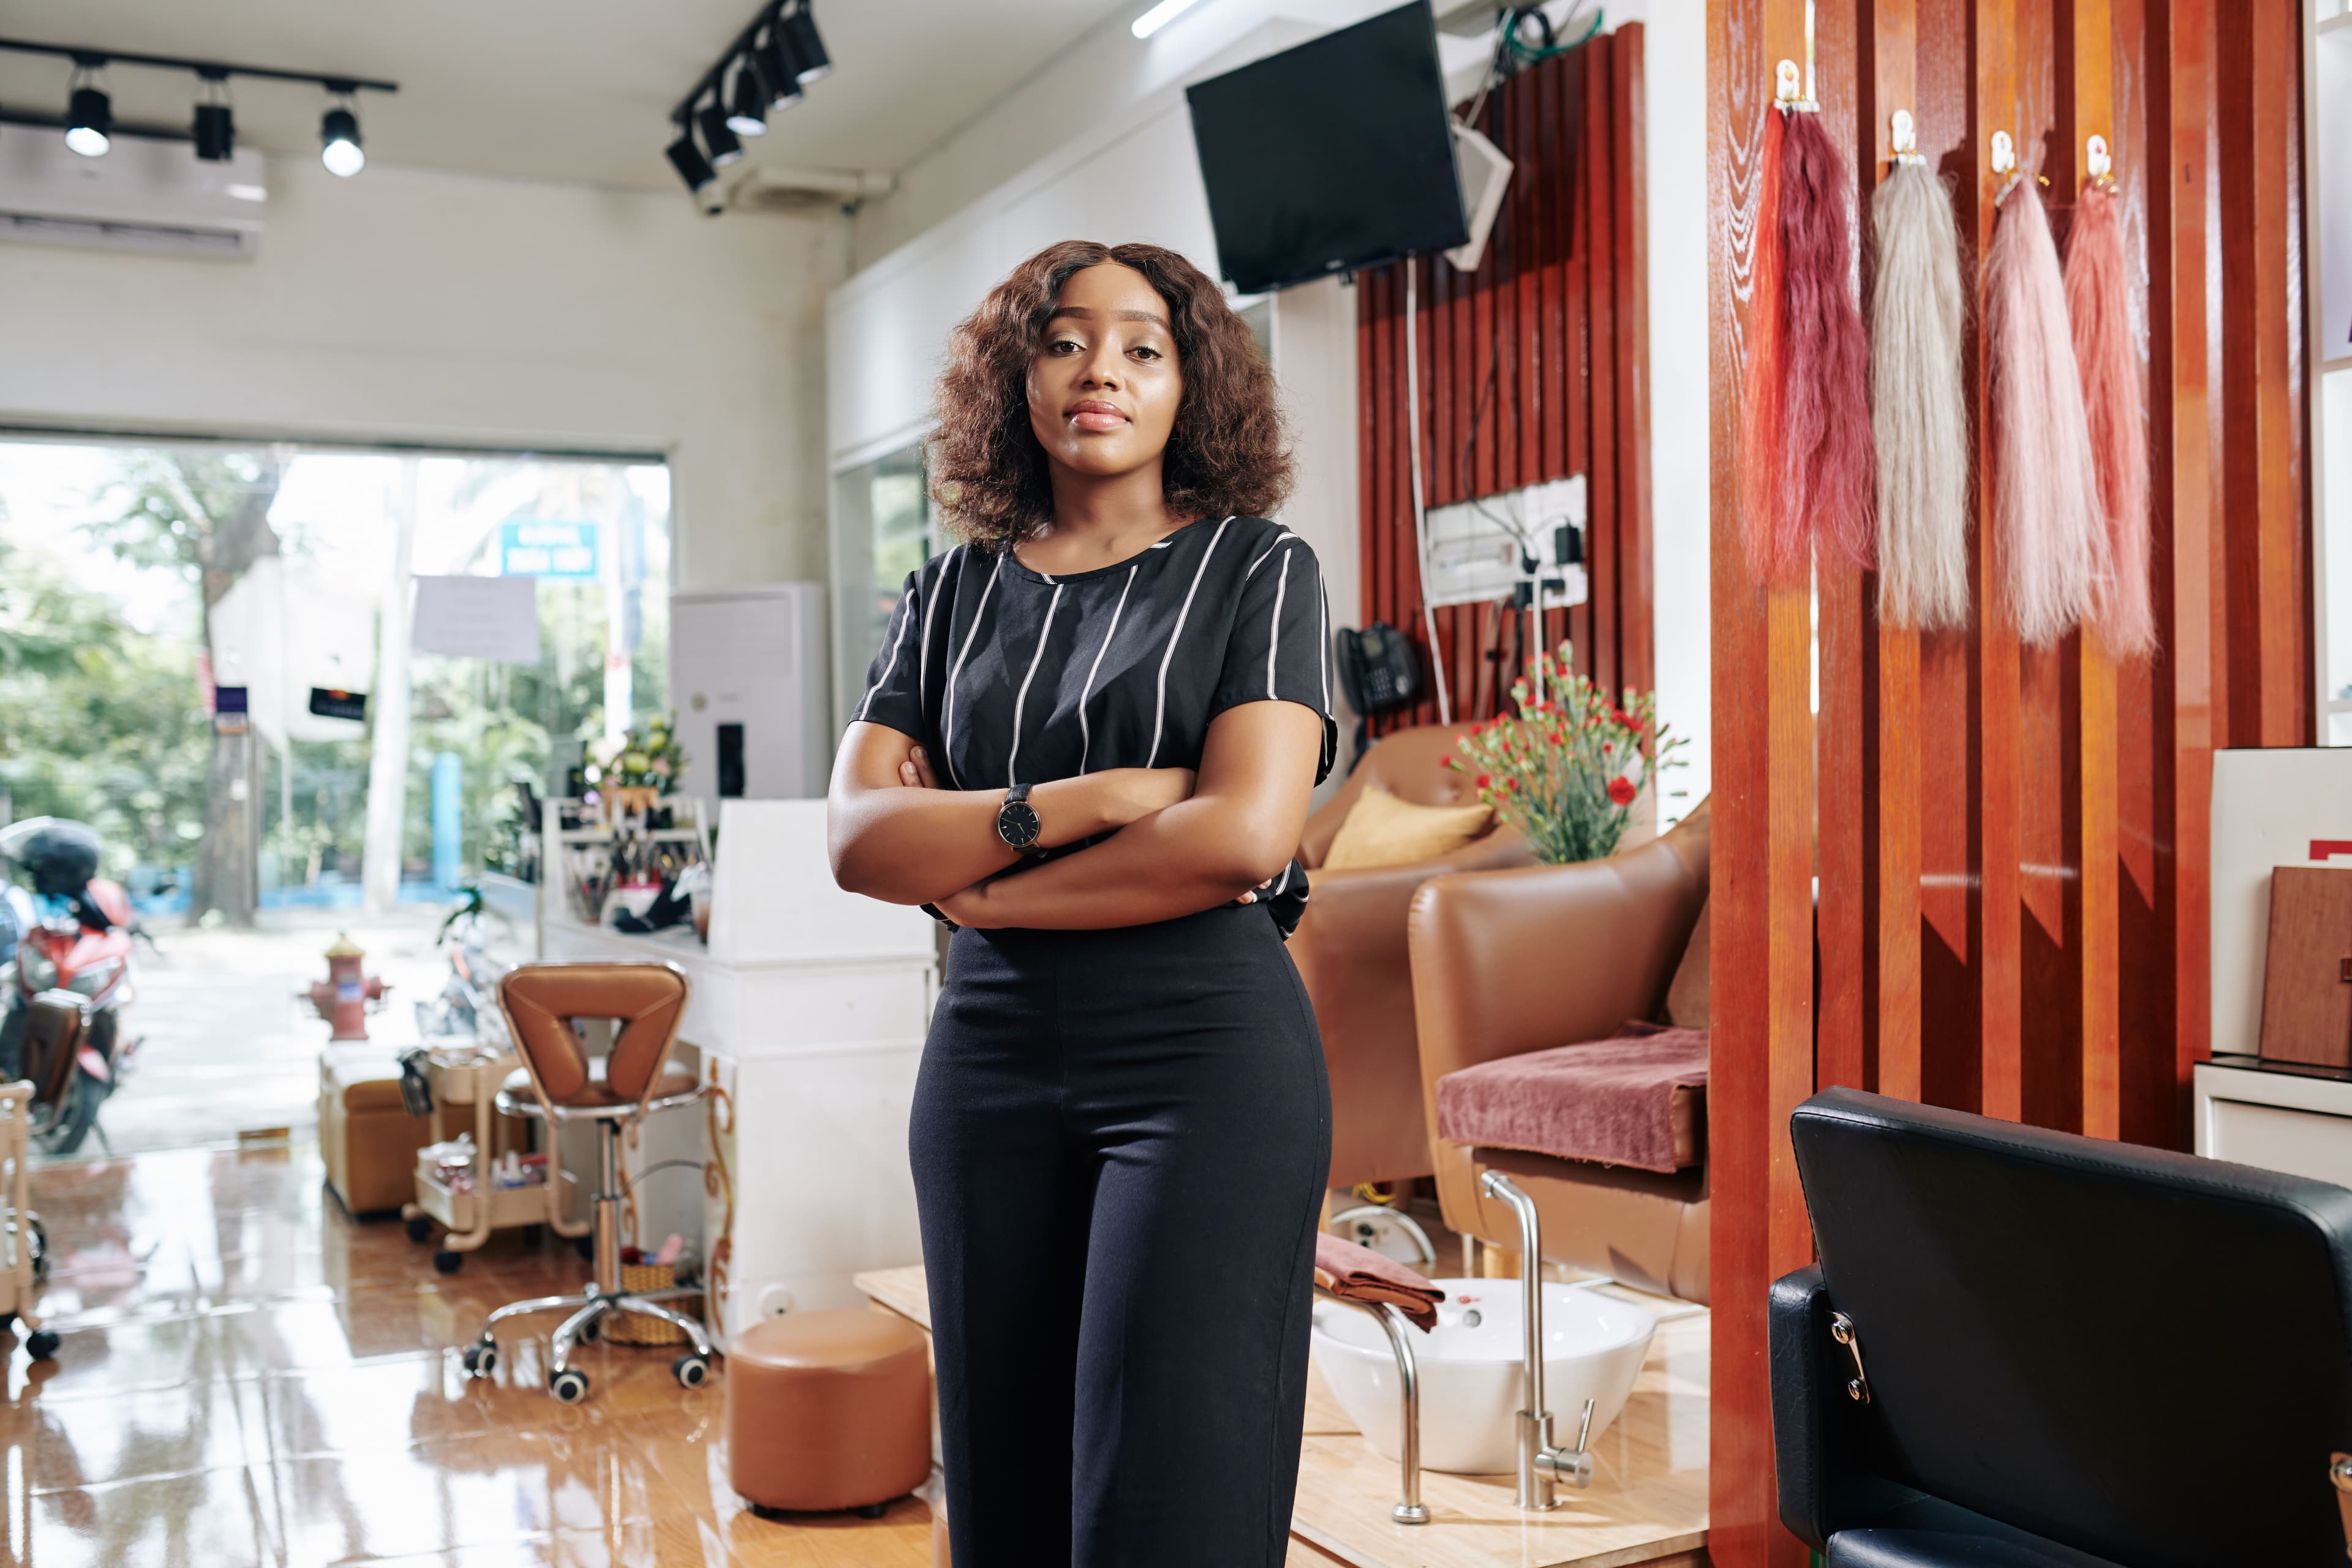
(828, 1410)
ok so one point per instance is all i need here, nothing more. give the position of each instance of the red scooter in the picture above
(69, 982)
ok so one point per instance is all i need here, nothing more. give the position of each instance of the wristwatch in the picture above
(1017, 822)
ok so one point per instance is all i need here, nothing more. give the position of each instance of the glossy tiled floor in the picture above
(247, 1377)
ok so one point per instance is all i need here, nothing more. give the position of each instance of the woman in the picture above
(1087, 744)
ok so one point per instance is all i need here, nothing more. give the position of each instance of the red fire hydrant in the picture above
(343, 997)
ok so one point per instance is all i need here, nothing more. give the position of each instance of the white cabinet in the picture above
(808, 1012)
(2298, 1122)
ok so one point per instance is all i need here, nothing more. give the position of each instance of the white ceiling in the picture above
(579, 90)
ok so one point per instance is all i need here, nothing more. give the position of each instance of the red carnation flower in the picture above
(1482, 781)
(1621, 790)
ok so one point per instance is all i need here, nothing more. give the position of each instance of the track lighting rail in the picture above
(741, 49)
(211, 70)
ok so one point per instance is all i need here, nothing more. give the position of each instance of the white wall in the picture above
(417, 306)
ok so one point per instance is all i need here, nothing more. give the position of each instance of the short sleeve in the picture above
(894, 694)
(1280, 650)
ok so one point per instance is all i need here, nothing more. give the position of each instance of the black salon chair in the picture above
(2029, 1349)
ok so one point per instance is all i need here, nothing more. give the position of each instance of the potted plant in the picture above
(632, 771)
(1565, 770)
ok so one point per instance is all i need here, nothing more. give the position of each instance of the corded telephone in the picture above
(1379, 669)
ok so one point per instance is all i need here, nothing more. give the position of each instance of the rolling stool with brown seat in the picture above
(828, 1410)
(540, 1002)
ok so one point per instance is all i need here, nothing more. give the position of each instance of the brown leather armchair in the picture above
(1350, 950)
(1525, 960)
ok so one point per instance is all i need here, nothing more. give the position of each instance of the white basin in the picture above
(1470, 1368)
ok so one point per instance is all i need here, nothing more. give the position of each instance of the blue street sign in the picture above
(547, 547)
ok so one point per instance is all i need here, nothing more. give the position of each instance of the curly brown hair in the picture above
(1228, 454)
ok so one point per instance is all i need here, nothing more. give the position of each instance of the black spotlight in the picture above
(215, 127)
(89, 122)
(784, 81)
(338, 143)
(216, 133)
(691, 165)
(801, 43)
(750, 116)
(716, 139)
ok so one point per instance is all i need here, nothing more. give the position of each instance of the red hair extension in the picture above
(2052, 539)
(2109, 362)
(1759, 403)
(1828, 467)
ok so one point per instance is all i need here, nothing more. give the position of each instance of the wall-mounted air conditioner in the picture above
(145, 194)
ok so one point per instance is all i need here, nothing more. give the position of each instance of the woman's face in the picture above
(1105, 385)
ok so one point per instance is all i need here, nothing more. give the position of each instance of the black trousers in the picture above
(1121, 1140)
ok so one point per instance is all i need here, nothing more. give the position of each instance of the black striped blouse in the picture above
(1012, 677)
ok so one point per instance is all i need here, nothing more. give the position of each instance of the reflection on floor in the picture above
(249, 1378)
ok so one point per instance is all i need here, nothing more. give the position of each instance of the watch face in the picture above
(1018, 824)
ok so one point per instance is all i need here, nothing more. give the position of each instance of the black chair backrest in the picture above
(2141, 1355)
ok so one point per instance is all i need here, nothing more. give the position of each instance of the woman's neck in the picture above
(1101, 518)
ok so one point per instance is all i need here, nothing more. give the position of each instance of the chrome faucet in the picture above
(1540, 1463)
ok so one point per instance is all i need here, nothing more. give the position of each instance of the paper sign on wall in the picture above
(477, 618)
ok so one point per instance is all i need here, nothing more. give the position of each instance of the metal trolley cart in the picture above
(26, 1262)
(471, 1076)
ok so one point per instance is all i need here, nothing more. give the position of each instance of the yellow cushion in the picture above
(1381, 830)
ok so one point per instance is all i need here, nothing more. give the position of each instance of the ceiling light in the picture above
(751, 114)
(717, 138)
(803, 44)
(215, 127)
(784, 81)
(89, 121)
(691, 165)
(1160, 16)
(338, 143)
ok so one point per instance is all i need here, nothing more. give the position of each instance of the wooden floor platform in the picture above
(1648, 1503)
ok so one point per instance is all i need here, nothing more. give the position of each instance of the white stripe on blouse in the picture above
(1274, 630)
(1021, 698)
(979, 614)
(1086, 736)
(900, 614)
(1160, 709)
(1285, 537)
(923, 647)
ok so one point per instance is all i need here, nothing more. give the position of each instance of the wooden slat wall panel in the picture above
(1534, 367)
(2012, 843)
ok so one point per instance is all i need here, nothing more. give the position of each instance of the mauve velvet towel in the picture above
(1357, 1273)
(1608, 1100)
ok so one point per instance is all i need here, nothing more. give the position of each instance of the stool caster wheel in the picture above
(570, 1385)
(447, 1262)
(690, 1370)
(480, 1360)
(42, 1345)
(420, 1228)
(872, 1511)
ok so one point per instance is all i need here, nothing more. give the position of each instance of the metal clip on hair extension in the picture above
(1903, 136)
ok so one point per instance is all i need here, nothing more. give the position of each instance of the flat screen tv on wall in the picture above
(1331, 157)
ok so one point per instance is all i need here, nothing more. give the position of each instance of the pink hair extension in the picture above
(1918, 403)
(2045, 491)
(1759, 403)
(2096, 299)
(1826, 459)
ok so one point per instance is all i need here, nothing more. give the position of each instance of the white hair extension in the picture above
(1918, 403)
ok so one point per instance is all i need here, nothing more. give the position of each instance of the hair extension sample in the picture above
(1826, 484)
(2097, 300)
(1760, 402)
(1918, 403)
(2052, 537)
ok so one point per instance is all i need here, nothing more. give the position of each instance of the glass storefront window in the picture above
(882, 531)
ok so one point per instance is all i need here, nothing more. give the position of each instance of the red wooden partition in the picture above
(1533, 367)
(2010, 843)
